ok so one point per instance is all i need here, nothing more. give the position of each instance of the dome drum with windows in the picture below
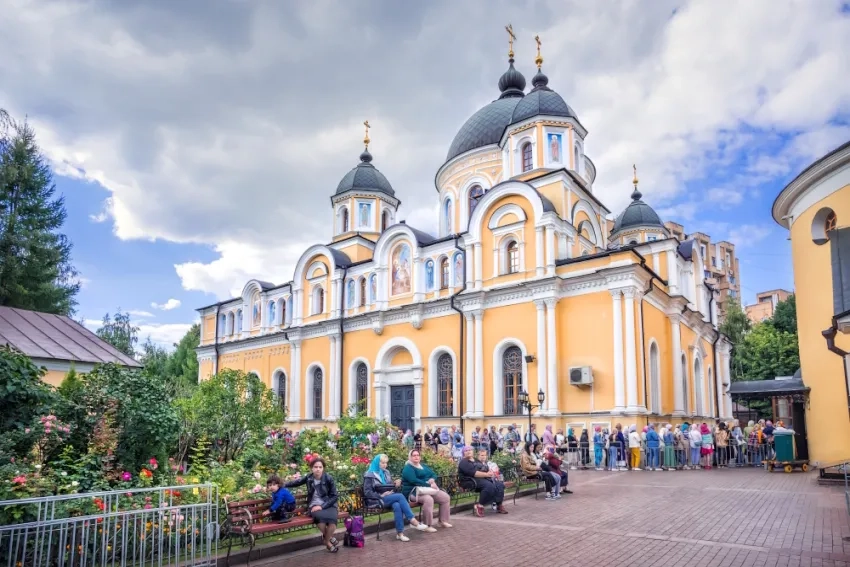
(506, 297)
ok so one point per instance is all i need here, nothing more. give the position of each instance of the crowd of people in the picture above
(545, 458)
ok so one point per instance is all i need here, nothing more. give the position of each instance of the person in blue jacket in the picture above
(283, 502)
(653, 443)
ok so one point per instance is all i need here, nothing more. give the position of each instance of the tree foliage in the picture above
(767, 352)
(229, 409)
(735, 326)
(785, 315)
(35, 257)
(119, 332)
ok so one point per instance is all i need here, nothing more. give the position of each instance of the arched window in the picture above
(362, 292)
(373, 288)
(222, 325)
(281, 390)
(287, 311)
(318, 300)
(362, 390)
(230, 323)
(385, 220)
(255, 310)
(271, 321)
(527, 163)
(445, 273)
(238, 321)
(633, 242)
(575, 158)
(655, 377)
(475, 194)
(445, 381)
(283, 311)
(447, 216)
(317, 393)
(344, 224)
(512, 251)
(830, 222)
(698, 386)
(686, 391)
(512, 377)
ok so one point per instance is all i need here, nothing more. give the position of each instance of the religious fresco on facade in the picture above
(373, 288)
(429, 275)
(349, 294)
(364, 213)
(555, 147)
(448, 216)
(401, 269)
(255, 312)
(458, 262)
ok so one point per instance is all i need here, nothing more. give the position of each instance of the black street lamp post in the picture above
(526, 403)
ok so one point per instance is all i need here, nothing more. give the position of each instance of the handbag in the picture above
(422, 490)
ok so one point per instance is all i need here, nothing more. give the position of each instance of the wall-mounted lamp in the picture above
(529, 358)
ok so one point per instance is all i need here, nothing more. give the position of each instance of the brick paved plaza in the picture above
(699, 518)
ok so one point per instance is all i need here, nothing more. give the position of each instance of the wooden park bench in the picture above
(245, 520)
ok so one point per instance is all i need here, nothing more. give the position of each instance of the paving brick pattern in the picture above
(665, 519)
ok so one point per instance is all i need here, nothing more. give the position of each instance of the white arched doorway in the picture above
(398, 379)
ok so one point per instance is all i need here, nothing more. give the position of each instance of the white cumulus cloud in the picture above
(168, 305)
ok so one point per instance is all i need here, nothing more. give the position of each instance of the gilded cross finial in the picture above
(511, 37)
(539, 59)
(366, 139)
(635, 179)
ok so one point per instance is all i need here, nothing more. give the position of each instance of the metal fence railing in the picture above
(176, 525)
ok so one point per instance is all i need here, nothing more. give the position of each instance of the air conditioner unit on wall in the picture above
(581, 375)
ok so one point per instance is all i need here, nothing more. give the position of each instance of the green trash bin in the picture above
(784, 445)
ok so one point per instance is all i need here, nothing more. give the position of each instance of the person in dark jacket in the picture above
(322, 500)
(379, 492)
(475, 475)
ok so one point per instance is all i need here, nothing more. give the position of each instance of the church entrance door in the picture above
(402, 407)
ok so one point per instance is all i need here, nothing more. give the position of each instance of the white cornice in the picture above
(355, 193)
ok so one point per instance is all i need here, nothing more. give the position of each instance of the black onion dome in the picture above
(542, 100)
(637, 214)
(365, 177)
(512, 82)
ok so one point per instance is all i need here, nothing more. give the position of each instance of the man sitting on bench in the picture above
(475, 475)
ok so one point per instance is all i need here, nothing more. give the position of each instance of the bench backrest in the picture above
(251, 510)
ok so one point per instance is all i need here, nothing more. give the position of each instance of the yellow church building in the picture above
(815, 208)
(526, 287)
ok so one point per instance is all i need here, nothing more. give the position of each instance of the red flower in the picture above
(100, 505)
(152, 462)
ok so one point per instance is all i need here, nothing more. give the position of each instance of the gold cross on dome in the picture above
(539, 59)
(635, 179)
(366, 139)
(511, 37)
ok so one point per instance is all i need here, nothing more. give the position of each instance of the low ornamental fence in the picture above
(149, 526)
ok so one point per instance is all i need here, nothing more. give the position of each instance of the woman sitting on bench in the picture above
(475, 475)
(379, 492)
(321, 501)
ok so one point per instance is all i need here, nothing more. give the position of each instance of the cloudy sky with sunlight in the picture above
(197, 142)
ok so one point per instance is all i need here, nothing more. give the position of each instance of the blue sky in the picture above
(197, 143)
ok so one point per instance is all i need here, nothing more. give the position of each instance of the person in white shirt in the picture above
(634, 447)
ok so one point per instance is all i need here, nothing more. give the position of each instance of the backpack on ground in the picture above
(354, 532)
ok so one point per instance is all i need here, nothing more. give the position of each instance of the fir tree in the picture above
(35, 258)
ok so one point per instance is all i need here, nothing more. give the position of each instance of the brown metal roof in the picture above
(43, 335)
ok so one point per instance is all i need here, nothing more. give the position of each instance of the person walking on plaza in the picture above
(419, 485)
(379, 491)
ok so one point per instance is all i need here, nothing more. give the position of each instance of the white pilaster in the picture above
(295, 379)
(656, 262)
(332, 384)
(383, 292)
(542, 367)
(550, 251)
(631, 354)
(552, 358)
(470, 276)
(678, 393)
(619, 379)
(470, 365)
(479, 364)
(538, 260)
(419, 279)
(672, 273)
(479, 276)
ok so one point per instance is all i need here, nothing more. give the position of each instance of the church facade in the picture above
(527, 287)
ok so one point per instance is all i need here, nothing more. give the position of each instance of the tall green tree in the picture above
(736, 325)
(767, 352)
(119, 332)
(35, 257)
(785, 315)
(182, 365)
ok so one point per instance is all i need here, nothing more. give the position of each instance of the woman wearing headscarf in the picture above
(707, 448)
(584, 448)
(379, 492)
(739, 442)
(669, 448)
(531, 468)
(695, 438)
(445, 446)
(419, 485)
(407, 439)
(598, 447)
(548, 437)
(572, 449)
(683, 446)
